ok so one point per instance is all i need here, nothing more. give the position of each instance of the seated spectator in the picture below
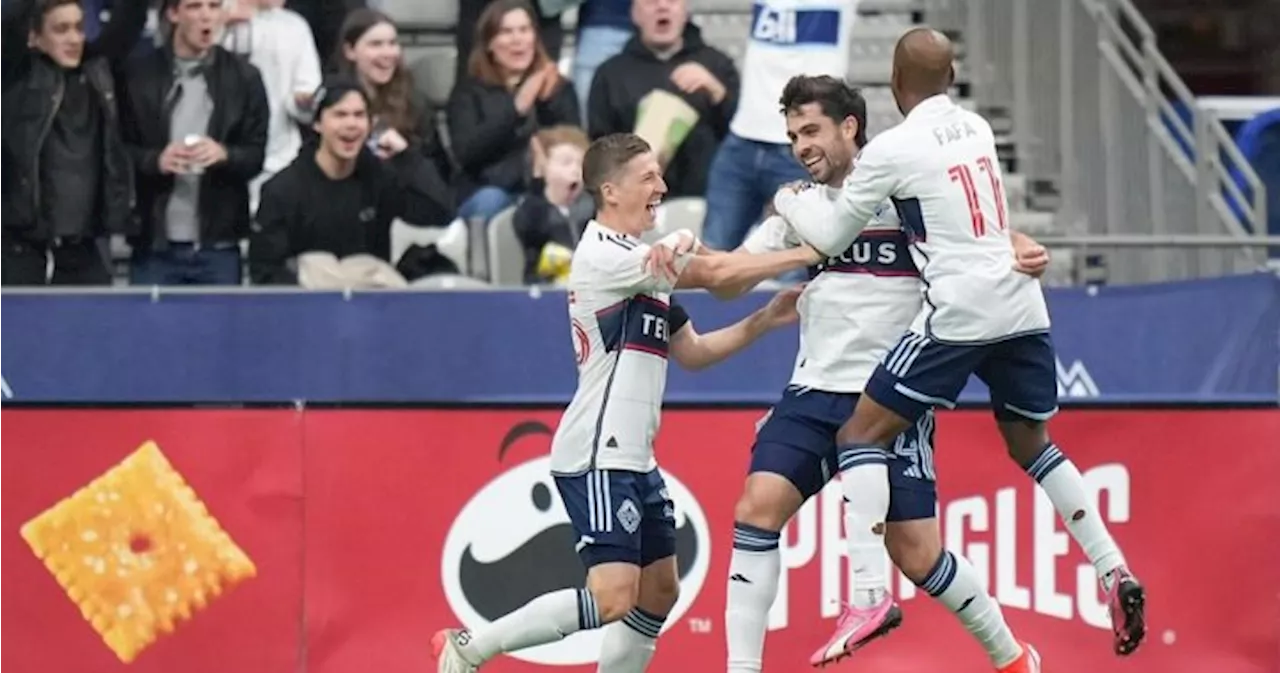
(404, 124)
(66, 172)
(278, 42)
(667, 55)
(550, 219)
(469, 12)
(336, 197)
(195, 119)
(512, 89)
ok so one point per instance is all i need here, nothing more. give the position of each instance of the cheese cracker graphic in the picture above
(137, 551)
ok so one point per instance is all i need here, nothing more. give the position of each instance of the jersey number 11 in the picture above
(960, 173)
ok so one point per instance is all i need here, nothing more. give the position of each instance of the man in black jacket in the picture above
(336, 197)
(668, 53)
(195, 118)
(66, 175)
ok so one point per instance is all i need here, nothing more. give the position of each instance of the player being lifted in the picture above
(979, 316)
(852, 312)
(623, 325)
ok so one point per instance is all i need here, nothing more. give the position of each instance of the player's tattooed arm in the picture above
(696, 351)
(1029, 257)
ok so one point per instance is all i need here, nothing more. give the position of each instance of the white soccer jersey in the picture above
(940, 169)
(788, 38)
(857, 305)
(620, 317)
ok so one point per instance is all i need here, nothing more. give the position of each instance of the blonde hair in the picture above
(563, 134)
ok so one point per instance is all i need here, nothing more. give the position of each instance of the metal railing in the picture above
(1094, 109)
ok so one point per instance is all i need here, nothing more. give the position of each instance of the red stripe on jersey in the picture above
(644, 349)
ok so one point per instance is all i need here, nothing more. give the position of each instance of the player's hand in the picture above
(691, 77)
(660, 262)
(781, 309)
(1030, 257)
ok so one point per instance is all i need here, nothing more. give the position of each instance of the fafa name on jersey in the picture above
(795, 27)
(639, 324)
(877, 252)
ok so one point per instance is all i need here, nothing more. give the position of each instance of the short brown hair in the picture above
(837, 99)
(563, 134)
(605, 157)
(480, 63)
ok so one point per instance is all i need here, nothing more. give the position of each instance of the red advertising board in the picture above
(370, 529)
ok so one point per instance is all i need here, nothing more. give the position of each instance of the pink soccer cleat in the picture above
(856, 628)
(1127, 602)
(1029, 662)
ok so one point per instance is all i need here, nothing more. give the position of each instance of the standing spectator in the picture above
(336, 197)
(788, 38)
(404, 123)
(604, 28)
(512, 89)
(66, 175)
(279, 44)
(469, 12)
(195, 117)
(668, 54)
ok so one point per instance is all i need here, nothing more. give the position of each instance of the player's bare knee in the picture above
(914, 546)
(659, 593)
(768, 501)
(1024, 439)
(872, 423)
(615, 586)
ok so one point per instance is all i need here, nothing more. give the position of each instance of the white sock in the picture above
(629, 644)
(1064, 485)
(545, 619)
(954, 582)
(753, 585)
(864, 478)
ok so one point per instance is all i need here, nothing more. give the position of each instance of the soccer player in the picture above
(854, 310)
(623, 326)
(979, 316)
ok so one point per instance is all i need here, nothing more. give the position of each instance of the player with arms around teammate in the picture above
(623, 326)
(852, 312)
(939, 167)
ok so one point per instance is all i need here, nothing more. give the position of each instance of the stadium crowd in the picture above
(284, 139)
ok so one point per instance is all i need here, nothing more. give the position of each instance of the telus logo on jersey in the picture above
(774, 25)
(512, 542)
(639, 324)
(881, 252)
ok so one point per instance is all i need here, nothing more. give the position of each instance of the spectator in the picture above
(512, 89)
(195, 117)
(279, 44)
(788, 38)
(404, 124)
(66, 175)
(336, 197)
(604, 28)
(550, 219)
(668, 54)
(469, 12)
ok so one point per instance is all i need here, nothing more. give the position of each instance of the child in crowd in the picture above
(551, 217)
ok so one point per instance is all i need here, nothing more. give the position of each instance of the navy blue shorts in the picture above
(620, 516)
(797, 440)
(920, 374)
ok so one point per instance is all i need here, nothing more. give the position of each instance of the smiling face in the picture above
(344, 127)
(61, 34)
(196, 26)
(375, 53)
(636, 191)
(825, 148)
(514, 45)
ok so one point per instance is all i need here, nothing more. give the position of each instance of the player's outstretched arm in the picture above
(731, 270)
(696, 351)
(832, 227)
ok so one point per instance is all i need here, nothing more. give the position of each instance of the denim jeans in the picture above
(596, 44)
(187, 264)
(745, 175)
(485, 203)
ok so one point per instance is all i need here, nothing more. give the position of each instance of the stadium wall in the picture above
(370, 524)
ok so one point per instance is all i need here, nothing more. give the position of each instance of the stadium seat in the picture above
(506, 256)
(449, 282)
(417, 15)
(701, 7)
(433, 69)
(683, 213)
